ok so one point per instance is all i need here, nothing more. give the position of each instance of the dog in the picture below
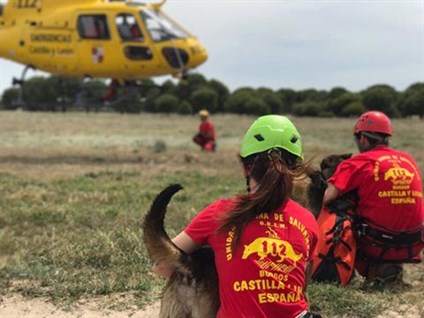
(329, 164)
(347, 201)
(309, 192)
(192, 290)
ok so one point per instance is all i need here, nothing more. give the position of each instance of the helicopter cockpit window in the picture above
(128, 28)
(160, 27)
(93, 27)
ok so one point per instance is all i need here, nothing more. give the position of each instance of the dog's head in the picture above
(329, 164)
(316, 192)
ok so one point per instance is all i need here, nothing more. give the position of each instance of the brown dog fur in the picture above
(192, 290)
(329, 164)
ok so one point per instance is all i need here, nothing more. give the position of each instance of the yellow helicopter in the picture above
(123, 40)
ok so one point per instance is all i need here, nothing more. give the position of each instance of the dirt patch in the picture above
(15, 306)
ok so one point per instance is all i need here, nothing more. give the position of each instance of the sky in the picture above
(299, 44)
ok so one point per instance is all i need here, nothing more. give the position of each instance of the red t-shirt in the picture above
(207, 129)
(265, 275)
(389, 186)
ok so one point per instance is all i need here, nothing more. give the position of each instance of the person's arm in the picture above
(330, 194)
(184, 243)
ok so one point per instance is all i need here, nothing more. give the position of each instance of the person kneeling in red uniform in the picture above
(205, 138)
(389, 221)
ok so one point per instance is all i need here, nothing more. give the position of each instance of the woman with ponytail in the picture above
(262, 240)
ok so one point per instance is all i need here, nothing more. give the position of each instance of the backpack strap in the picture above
(399, 239)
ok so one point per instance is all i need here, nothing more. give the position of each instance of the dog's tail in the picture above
(158, 244)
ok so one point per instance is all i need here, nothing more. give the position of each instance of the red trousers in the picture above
(205, 143)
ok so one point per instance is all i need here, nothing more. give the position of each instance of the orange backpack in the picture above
(335, 252)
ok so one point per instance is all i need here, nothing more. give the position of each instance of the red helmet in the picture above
(373, 121)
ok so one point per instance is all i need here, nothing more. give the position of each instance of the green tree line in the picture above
(190, 95)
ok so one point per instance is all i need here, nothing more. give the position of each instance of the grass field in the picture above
(74, 188)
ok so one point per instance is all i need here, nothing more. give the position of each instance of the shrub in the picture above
(257, 106)
(159, 146)
(412, 100)
(149, 104)
(222, 91)
(272, 99)
(381, 98)
(353, 109)
(204, 97)
(337, 104)
(166, 103)
(288, 97)
(236, 103)
(185, 108)
(9, 98)
(308, 108)
(128, 102)
(337, 92)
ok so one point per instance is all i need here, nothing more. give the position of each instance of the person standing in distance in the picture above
(390, 206)
(262, 240)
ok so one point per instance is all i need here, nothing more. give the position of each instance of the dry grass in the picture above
(74, 143)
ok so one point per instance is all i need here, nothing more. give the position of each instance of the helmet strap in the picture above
(371, 135)
(373, 140)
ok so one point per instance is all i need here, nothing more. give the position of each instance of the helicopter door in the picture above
(135, 46)
(99, 55)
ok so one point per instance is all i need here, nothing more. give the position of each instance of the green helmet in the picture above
(271, 131)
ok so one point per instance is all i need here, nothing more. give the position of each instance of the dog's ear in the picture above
(346, 156)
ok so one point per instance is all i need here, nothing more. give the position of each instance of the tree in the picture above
(288, 97)
(166, 103)
(236, 103)
(337, 92)
(415, 86)
(222, 91)
(353, 109)
(311, 95)
(413, 104)
(308, 108)
(257, 106)
(411, 101)
(65, 90)
(92, 93)
(247, 100)
(168, 87)
(381, 98)
(38, 90)
(9, 98)
(204, 97)
(145, 85)
(337, 104)
(185, 108)
(272, 100)
(183, 90)
(196, 81)
(148, 104)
